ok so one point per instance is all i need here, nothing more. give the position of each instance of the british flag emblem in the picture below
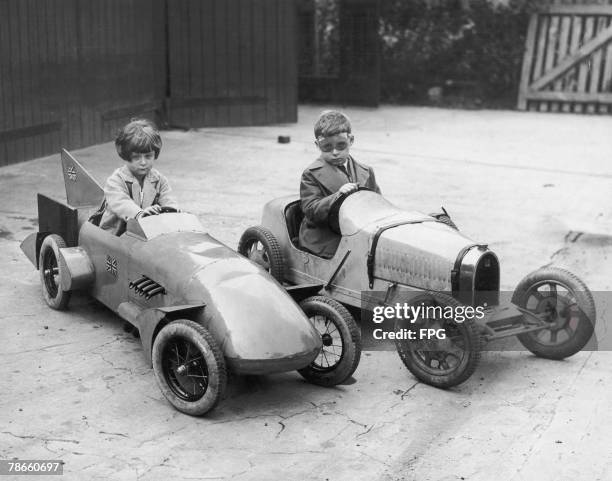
(111, 265)
(72, 175)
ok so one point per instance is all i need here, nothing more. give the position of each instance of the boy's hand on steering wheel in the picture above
(348, 188)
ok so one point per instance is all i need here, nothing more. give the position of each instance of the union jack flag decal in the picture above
(111, 265)
(72, 175)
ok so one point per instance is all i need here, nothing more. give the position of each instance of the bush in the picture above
(448, 45)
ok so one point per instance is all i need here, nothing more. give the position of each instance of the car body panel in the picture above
(166, 267)
(414, 252)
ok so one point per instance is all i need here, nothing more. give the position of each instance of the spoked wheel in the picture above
(48, 265)
(189, 367)
(442, 352)
(341, 342)
(565, 304)
(259, 245)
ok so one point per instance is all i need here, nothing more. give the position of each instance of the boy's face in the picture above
(335, 148)
(141, 163)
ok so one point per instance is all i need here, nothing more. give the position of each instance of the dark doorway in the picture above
(339, 51)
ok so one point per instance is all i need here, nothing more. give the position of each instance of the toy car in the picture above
(199, 307)
(389, 257)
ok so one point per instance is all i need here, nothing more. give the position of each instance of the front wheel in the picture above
(565, 304)
(189, 367)
(341, 342)
(50, 275)
(436, 348)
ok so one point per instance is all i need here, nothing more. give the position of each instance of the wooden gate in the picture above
(568, 60)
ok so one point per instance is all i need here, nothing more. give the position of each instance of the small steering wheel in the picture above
(164, 210)
(168, 210)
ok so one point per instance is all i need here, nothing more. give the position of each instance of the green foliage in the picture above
(448, 44)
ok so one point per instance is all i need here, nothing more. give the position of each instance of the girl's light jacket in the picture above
(125, 199)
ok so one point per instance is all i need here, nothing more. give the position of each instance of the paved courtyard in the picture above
(536, 187)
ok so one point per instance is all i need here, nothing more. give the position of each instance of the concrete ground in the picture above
(536, 187)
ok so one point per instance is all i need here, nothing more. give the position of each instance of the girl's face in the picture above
(141, 163)
(335, 149)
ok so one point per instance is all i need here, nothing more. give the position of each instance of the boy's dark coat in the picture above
(318, 191)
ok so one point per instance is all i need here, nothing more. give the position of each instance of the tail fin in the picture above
(82, 190)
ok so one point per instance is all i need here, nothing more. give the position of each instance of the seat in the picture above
(293, 218)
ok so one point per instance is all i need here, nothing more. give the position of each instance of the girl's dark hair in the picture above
(139, 136)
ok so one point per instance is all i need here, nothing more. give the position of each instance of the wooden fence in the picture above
(73, 71)
(568, 60)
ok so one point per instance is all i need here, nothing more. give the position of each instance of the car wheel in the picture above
(189, 367)
(565, 304)
(440, 362)
(259, 245)
(341, 338)
(48, 265)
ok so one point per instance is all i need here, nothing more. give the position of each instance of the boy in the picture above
(334, 174)
(136, 189)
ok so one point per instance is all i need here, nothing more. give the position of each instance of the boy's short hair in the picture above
(331, 122)
(138, 136)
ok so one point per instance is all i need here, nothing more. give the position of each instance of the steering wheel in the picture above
(333, 220)
(168, 210)
(164, 210)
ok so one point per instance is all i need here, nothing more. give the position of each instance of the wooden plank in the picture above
(207, 18)
(596, 67)
(606, 84)
(196, 54)
(185, 103)
(570, 96)
(589, 46)
(564, 37)
(551, 51)
(17, 75)
(245, 43)
(259, 54)
(271, 64)
(222, 23)
(74, 47)
(25, 81)
(540, 52)
(30, 131)
(571, 76)
(44, 46)
(233, 60)
(7, 153)
(34, 71)
(177, 67)
(585, 67)
(290, 56)
(580, 9)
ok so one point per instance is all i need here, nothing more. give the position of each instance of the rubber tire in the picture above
(468, 364)
(271, 249)
(351, 341)
(586, 325)
(51, 246)
(215, 363)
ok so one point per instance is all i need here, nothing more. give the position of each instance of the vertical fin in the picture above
(82, 190)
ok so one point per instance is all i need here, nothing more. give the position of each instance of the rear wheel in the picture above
(259, 245)
(565, 304)
(189, 367)
(442, 352)
(50, 276)
(341, 342)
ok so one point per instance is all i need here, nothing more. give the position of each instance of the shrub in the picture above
(426, 45)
